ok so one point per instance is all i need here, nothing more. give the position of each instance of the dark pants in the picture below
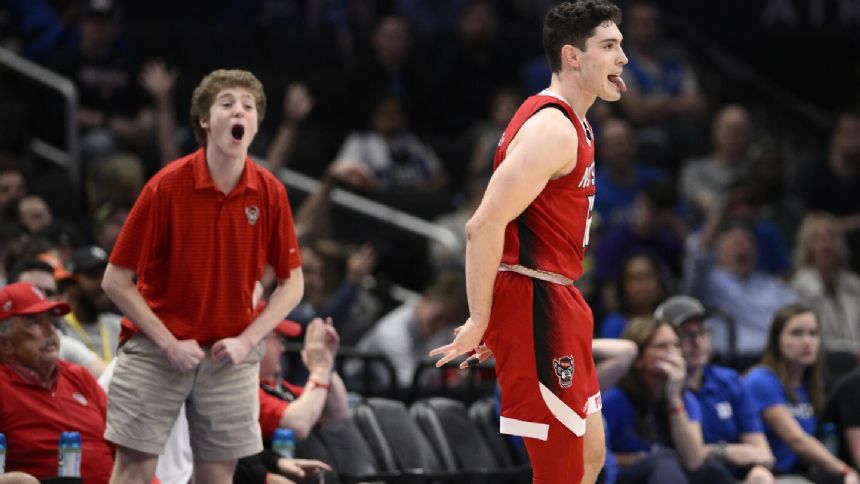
(663, 466)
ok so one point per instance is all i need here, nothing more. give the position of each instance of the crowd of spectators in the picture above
(403, 102)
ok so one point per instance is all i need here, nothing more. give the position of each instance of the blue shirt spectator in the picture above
(615, 198)
(620, 415)
(765, 391)
(726, 413)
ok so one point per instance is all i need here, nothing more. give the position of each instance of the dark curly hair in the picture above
(572, 23)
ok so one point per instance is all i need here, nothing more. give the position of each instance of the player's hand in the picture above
(482, 354)
(301, 468)
(231, 350)
(184, 355)
(467, 338)
(852, 477)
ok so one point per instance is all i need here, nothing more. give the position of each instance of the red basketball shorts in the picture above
(540, 334)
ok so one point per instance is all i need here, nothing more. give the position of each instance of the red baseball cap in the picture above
(288, 328)
(23, 298)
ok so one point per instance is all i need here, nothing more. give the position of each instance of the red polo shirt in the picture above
(198, 252)
(32, 417)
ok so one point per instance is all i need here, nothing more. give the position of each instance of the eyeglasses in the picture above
(689, 336)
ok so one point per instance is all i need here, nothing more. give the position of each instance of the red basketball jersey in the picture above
(552, 233)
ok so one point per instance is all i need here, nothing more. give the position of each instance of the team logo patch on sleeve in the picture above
(564, 370)
(253, 213)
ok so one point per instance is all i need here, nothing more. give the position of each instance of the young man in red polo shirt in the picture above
(197, 240)
(42, 396)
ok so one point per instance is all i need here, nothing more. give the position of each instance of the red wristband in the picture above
(677, 409)
(316, 384)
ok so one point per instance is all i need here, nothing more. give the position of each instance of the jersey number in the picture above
(588, 221)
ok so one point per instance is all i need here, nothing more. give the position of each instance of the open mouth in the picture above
(238, 132)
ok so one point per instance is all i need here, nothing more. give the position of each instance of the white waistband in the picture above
(537, 274)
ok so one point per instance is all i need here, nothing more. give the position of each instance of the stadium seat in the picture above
(460, 444)
(395, 438)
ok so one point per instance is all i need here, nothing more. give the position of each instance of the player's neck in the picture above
(566, 86)
(225, 170)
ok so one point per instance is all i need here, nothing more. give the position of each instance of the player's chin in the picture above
(611, 95)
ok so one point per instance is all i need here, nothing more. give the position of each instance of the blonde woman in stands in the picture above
(824, 281)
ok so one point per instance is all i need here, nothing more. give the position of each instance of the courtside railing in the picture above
(67, 156)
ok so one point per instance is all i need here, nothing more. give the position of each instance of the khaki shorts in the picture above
(222, 402)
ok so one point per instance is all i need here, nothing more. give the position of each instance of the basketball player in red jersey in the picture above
(525, 247)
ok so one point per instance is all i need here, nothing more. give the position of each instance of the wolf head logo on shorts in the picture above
(564, 370)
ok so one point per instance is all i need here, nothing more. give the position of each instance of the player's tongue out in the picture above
(619, 83)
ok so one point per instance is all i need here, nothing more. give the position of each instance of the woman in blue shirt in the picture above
(787, 389)
(653, 424)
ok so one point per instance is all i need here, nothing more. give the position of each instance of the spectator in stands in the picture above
(787, 389)
(116, 178)
(410, 331)
(390, 69)
(13, 186)
(160, 83)
(330, 293)
(34, 214)
(721, 272)
(731, 428)
(486, 133)
(824, 281)
(663, 97)
(841, 410)
(476, 56)
(108, 220)
(620, 175)
(741, 203)
(41, 275)
(389, 158)
(654, 227)
(832, 185)
(40, 395)
(703, 180)
(282, 404)
(112, 112)
(639, 288)
(298, 103)
(323, 398)
(654, 425)
(777, 202)
(92, 320)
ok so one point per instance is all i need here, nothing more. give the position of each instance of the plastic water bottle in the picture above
(830, 437)
(2, 453)
(69, 455)
(284, 442)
